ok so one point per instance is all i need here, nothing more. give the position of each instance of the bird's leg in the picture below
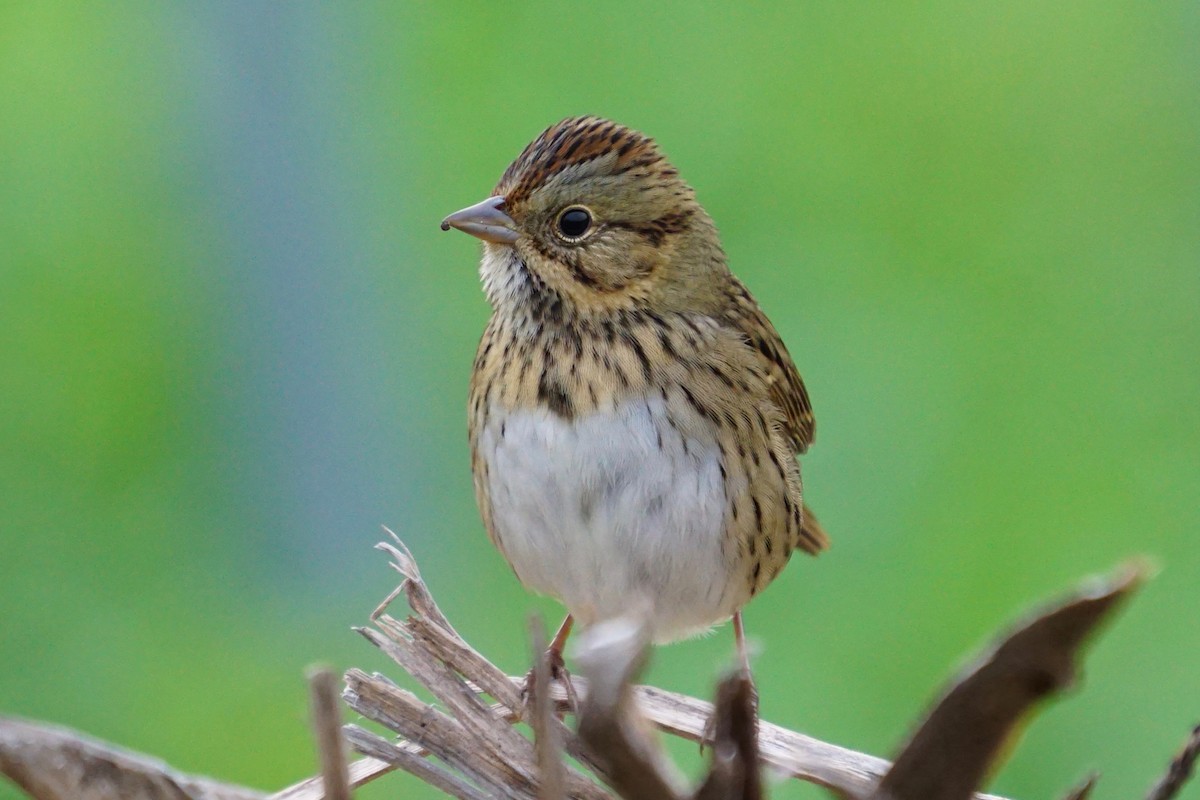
(739, 638)
(739, 635)
(558, 667)
(558, 644)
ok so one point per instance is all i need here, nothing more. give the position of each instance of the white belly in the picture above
(609, 518)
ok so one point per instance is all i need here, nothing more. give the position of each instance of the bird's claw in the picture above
(558, 672)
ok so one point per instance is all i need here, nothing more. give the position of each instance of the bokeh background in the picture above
(233, 343)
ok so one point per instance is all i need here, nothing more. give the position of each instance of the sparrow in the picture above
(634, 417)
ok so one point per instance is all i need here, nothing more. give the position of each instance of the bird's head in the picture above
(593, 215)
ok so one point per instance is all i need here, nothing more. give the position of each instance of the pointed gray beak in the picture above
(486, 220)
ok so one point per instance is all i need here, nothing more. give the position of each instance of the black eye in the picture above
(574, 222)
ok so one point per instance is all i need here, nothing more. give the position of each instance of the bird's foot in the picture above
(557, 672)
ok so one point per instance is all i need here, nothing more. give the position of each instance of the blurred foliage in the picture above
(233, 343)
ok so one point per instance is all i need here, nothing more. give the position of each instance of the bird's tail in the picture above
(813, 538)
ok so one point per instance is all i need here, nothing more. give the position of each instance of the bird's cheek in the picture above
(644, 260)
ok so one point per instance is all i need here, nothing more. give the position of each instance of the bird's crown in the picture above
(612, 149)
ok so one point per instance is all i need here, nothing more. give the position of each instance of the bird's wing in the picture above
(784, 383)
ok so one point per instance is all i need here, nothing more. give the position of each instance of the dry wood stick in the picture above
(327, 728)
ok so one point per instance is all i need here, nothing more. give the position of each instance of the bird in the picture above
(634, 418)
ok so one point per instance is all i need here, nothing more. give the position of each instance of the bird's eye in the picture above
(574, 222)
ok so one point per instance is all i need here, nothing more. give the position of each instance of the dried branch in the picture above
(327, 728)
(473, 739)
(413, 760)
(948, 755)
(1179, 771)
(545, 735)
(360, 772)
(428, 730)
(52, 763)
(787, 752)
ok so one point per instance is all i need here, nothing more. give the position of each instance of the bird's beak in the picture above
(486, 220)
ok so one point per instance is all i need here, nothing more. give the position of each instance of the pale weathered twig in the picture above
(475, 738)
(1179, 770)
(426, 728)
(545, 735)
(472, 730)
(787, 752)
(53, 763)
(949, 753)
(327, 728)
(412, 759)
(360, 772)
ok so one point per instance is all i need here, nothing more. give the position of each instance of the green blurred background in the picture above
(233, 343)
